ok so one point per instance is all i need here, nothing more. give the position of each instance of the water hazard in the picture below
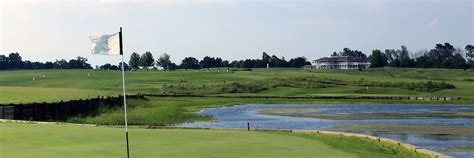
(237, 117)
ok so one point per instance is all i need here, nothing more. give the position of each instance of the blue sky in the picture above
(49, 30)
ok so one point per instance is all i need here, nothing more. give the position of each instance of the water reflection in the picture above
(238, 116)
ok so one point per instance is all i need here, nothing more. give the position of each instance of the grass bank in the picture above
(166, 111)
(465, 131)
(83, 141)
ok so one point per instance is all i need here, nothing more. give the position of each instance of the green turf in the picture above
(15, 85)
(50, 141)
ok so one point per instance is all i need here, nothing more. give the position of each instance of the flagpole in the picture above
(124, 95)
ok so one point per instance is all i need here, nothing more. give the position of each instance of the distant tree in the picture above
(125, 66)
(469, 51)
(334, 54)
(3, 62)
(399, 57)
(190, 63)
(377, 59)
(225, 63)
(146, 60)
(352, 53)
(442, 56)
(266, 58)
(78, 63)
(134, 61)
(404, 57)
(277, 62)
(172, 66)
(207, 62)
(106, 66)
(458, 62)
(234, 63)
(15, 61)
(298, 62)
(165, 62)
(470, 54)
(247, 63)
(60, 64)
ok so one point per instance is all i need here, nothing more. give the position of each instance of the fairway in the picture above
(73, 141)
(19, 86)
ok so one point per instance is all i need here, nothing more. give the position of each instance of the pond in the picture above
(237, 117)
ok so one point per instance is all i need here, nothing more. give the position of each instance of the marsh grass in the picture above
(307, 82)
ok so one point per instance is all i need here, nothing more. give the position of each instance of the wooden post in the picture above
(248, 126)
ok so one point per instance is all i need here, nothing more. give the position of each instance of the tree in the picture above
(190, 63)
(404, 58)
(106, 66)
(207, 62)
(266, 58)
(60, 64)
(134, 61)
(125, 66)
(78, 63)
(146, 60)
(352, 53)
(378, 59)
(458, 62)
(470, 53)
(165, 62)
(15, 61)
(277, 62)
(399, 57)
(297, 62)
(3, 62)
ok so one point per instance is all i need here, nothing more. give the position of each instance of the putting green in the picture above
(49, 141)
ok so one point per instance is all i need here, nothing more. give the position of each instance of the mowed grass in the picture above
(39, 94)
(51, 141)
(100, 82)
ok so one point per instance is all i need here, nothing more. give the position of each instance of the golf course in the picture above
(27, 86)
(217, 88)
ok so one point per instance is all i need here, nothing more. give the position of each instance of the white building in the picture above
(340, 62)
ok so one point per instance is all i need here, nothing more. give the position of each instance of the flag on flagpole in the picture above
(112, 45)
(106, 44)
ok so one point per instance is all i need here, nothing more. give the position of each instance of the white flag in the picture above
(106, 44)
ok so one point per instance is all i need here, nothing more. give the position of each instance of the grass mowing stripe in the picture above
(46, 140)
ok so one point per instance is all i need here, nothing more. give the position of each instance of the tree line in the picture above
(146, 61)
(14, 61)
(441, 56)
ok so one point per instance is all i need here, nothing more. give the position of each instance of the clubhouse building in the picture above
(340, 62)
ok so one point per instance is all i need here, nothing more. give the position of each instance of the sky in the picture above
(48, 30)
